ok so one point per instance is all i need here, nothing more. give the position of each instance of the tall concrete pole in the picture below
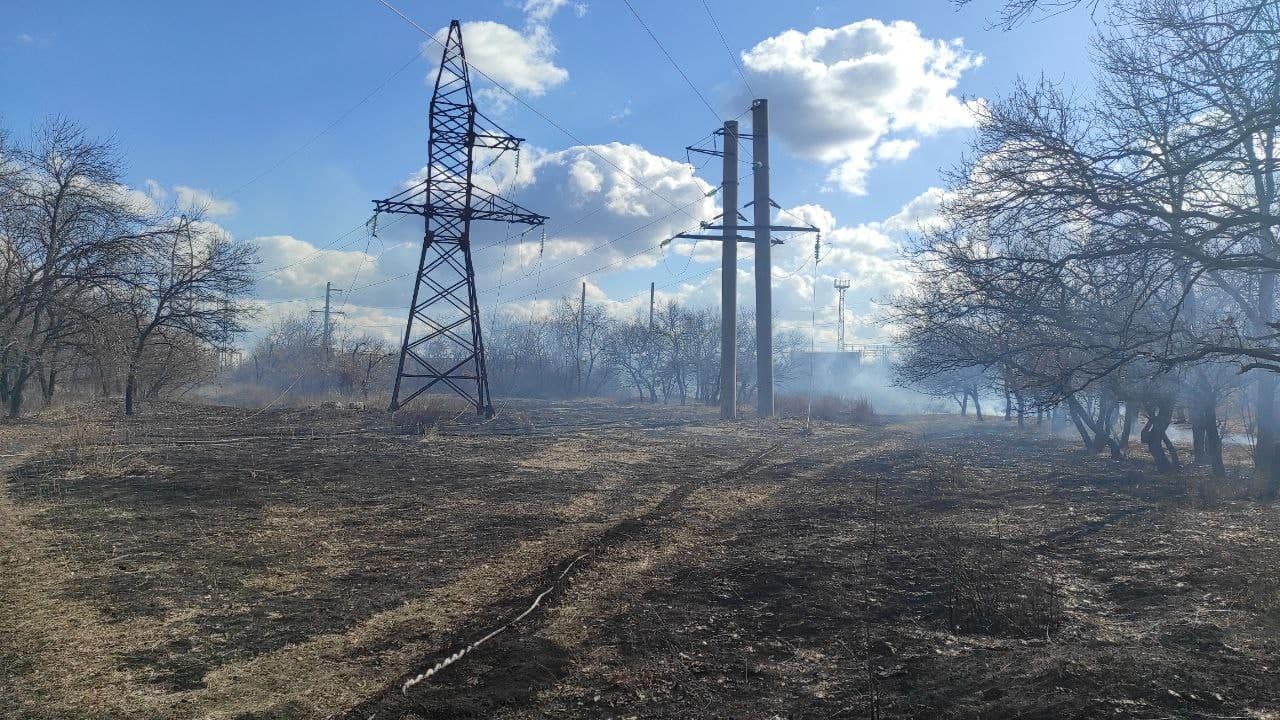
(729, 277)
(764, 263)
(326, 332)
(650, 307)
(328, 290)
(582, 313)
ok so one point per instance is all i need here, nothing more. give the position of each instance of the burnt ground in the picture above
(201, 562)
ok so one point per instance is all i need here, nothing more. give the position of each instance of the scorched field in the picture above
(639, 562)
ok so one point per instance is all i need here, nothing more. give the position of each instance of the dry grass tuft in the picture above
(831, 408)
(427, 414)
(992, 588)
(944, 473)
(89, 448)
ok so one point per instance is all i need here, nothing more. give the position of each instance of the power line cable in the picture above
(565, 283)
(629, 298)
(736, 64)
(619, 261)
(813, 329)
(337, 121)
(325, 248)
(297, 150)
(672, 60)
(569, 259)
(288, 301)
(587, 274)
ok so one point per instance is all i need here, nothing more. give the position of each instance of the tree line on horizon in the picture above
(576, 349)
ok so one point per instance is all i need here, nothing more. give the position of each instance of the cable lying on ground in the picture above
(673, 497)
(404, 689)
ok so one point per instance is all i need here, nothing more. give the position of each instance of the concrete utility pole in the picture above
(763, 261)
(328, 346)
(762, 239)
(327, 333)
(729, 277)
(650, 307)
(582, 312)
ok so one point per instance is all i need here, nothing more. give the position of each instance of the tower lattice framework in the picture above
(842, 286)
(443, 343)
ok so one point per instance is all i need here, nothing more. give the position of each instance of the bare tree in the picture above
(70, 228)
(360, 360)
(184, 284)
(1093, 246)
(637, 352)
(1013, 13)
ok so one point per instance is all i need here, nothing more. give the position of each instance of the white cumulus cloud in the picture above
(920, 214)
(520, 60)
(896, 149)
(195, 200)
(295, 268)
(836, 95)
(541, 11)
(604, 222)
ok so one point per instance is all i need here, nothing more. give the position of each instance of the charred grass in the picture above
(301, 562)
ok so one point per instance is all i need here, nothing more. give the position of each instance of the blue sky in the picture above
(286, 119)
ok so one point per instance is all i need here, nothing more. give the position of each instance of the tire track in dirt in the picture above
(390, 702)
(536, 662)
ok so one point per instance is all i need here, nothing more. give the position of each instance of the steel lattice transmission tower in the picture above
(842, 286)
(442, 338)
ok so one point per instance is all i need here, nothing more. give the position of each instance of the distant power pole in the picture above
(327, 333)
(764, 264)
(842, 286)
(582, 312)
(650, 307)
(226, 351)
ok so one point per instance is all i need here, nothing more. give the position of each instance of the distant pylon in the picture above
(449, 348)
(326, 332)
(842, 286)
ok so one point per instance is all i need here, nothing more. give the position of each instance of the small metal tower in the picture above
(442, 339)
(842, 286)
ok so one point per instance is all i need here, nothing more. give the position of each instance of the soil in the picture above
(209, 562)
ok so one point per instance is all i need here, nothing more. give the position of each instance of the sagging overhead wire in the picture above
(734, 58)
(813, 327)
(338, 120)
(671, 60)
(326, 247)
(565, 283)
(589, 250)
(372, 227)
